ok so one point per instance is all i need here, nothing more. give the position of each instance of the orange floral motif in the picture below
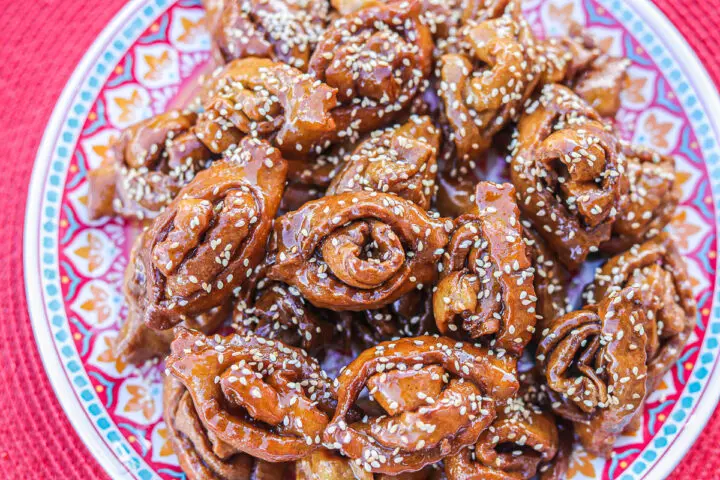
(191, 30)
(92, 252)
(658, 131)
(140, 401)
(102, 150)
(634, 89)
(156, 65)
(165, 448)
(605, 43)
(98, 303)
(581, 464)
(683, 229)
(682, 177)
(108, 356)
(562, 14)
(128, 106)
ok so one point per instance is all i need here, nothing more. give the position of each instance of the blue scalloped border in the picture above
(67, 138)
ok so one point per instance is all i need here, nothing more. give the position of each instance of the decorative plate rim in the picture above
(676, 49)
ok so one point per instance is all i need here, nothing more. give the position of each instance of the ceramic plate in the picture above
(137, 66)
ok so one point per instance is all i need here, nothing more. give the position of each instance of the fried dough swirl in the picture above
(438, 395)
(281, 30)
(257, 396)
(377, 58)
(486, 290)
(569, 174)
(357, 250)
(657, 266)
(210, 237)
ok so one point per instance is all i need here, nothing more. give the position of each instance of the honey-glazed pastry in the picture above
(256, 396)
(147, 166)
(482, 89)
(266, 99)
(203, 456)
(576, 61)
(281, 30)
(358, 250)
(437, 396)
(550, 280)
(377, 58)
(324, 464)
(569, 173)
(523, 442)
(400, 160)
(208, 240)
(650, 204)
(656, 266)
(598, 363)
(486, 289)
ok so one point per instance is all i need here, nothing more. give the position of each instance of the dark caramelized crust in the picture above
(266, 99)
(256, 396)
(569, 174)
(400, 160)
(438, 395)
(357, 251)
(147, 166)
(281, 30)
(377, 58)
(209, 239)
(486, 288)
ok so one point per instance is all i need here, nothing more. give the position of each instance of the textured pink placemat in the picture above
(41, 42)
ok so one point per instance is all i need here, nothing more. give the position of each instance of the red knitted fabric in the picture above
(41, 42)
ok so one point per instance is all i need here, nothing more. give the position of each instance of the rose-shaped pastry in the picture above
(203, 456)
(550, 280)
(438, 395)
(254, 395)
(595, 361)
(578, 62)
(486, 291)
(358, 250)
(377, 58)
(657, 266)
(602, 83)
(521, 443)
(484, 90)
(208, 240)
(259, 97)
(147, 166)
(400, 160)
(651, 202)
(282, 30)
(325, 464)
(569, 174)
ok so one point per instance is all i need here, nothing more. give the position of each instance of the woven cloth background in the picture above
(41, 41)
